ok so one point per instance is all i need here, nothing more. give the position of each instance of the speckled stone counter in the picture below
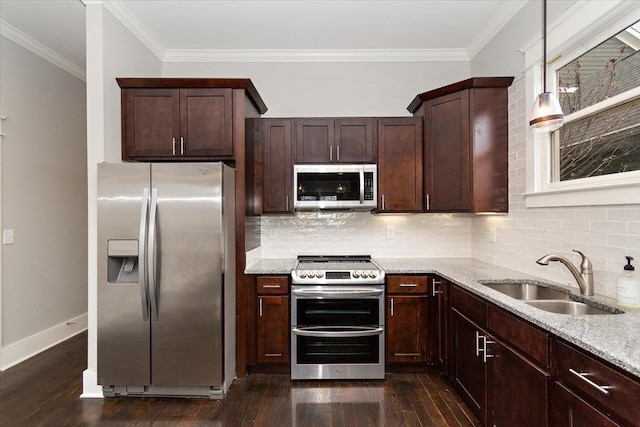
(614, 337)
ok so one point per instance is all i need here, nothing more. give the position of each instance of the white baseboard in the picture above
(90, 386)
(30, 346)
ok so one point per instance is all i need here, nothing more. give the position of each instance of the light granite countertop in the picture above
(613, 337)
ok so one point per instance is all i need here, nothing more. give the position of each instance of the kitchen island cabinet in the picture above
(465, 145)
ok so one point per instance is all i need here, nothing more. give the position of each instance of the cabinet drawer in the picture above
(518, 333)
(621, 396)
(273, 285)
(407, 284)
(472, 307)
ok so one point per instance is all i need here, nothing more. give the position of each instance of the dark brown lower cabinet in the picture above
(467, 370)
(517, 392)
(570, 410)
(273, 329)
(406, 329)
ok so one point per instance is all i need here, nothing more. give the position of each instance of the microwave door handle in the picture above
(362, 186)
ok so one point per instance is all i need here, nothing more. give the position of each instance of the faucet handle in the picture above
(586, 264)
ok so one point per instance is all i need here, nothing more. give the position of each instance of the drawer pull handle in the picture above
(408, 285)
(271, 286)
(583, 376)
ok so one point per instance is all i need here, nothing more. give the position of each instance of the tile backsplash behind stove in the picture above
(382, 236)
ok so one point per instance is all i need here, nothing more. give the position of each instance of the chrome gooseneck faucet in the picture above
(584, 277)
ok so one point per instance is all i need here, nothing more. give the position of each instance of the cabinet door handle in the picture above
(427, 202)
(392, 307)
(260, 307)
(331, 153)
(383, 202)
(435, 290)
(478, 349)
(338, 153)
(174, 146)
(286, 203)
(181, 146)
(271, 286)
(485, 353)
(604, 389)
(408, 285)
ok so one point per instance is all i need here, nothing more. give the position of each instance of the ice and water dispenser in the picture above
(122, 262)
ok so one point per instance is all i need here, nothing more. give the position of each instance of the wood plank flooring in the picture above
(45, 390)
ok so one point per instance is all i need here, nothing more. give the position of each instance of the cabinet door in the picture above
(273, 329)
(354, 141)
(447, 153)
(205, 123)
(406, 329)
(437, 326)
(400, 164)
(150, 123)
(277, 166)
(569, 410)
(314, 141)
(518, 390)
(468, 370)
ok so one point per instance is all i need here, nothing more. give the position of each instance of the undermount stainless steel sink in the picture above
(547, 299)
(526, 291)
(570, 307)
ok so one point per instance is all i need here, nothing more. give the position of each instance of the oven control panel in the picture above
(321, 277)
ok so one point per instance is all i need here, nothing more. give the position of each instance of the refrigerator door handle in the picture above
(142, 240)
(151, 256)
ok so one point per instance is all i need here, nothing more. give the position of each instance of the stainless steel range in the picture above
(337, 318)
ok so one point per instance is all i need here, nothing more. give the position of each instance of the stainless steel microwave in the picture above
(335, 186)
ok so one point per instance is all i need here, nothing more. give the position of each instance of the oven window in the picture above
(316, 350)
(338, 312)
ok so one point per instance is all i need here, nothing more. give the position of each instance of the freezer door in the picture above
(123, 321)
(187, 328)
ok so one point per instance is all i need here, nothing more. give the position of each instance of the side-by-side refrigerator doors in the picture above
(186, 282)
(123, 310)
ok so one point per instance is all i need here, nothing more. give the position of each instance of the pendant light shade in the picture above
(546, 115)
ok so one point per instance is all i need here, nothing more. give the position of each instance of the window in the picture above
(594, 159)
(605, 139)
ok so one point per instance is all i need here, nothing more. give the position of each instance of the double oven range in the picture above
(337, 318)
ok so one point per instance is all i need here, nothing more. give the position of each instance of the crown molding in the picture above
(314, 55)
(41, 50)
(494, 26)
(133, 24)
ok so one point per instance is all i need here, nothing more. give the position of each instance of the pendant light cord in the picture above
(544, 45)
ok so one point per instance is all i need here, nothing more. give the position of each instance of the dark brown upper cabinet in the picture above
(466, 145)
(277, 166)
(400, 164)
(335, 140)
(181, 119)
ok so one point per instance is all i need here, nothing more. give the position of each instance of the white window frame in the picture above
(580, 28)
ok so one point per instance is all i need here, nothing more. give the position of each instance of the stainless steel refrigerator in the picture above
(166, 279)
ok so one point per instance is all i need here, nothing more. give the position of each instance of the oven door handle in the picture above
(323, 332)
(338, 293)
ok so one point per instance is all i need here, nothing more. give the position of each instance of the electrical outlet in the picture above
(390, 232)
(7, 237)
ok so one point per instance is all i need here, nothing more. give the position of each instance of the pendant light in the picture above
(546, 115)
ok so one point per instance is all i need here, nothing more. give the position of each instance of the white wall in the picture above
(296, 89)
(604, 233)
(44, 199)
(112, 51)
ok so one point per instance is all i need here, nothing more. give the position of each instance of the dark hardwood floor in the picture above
(45, 390)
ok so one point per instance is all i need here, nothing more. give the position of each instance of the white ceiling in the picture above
(171, 28)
